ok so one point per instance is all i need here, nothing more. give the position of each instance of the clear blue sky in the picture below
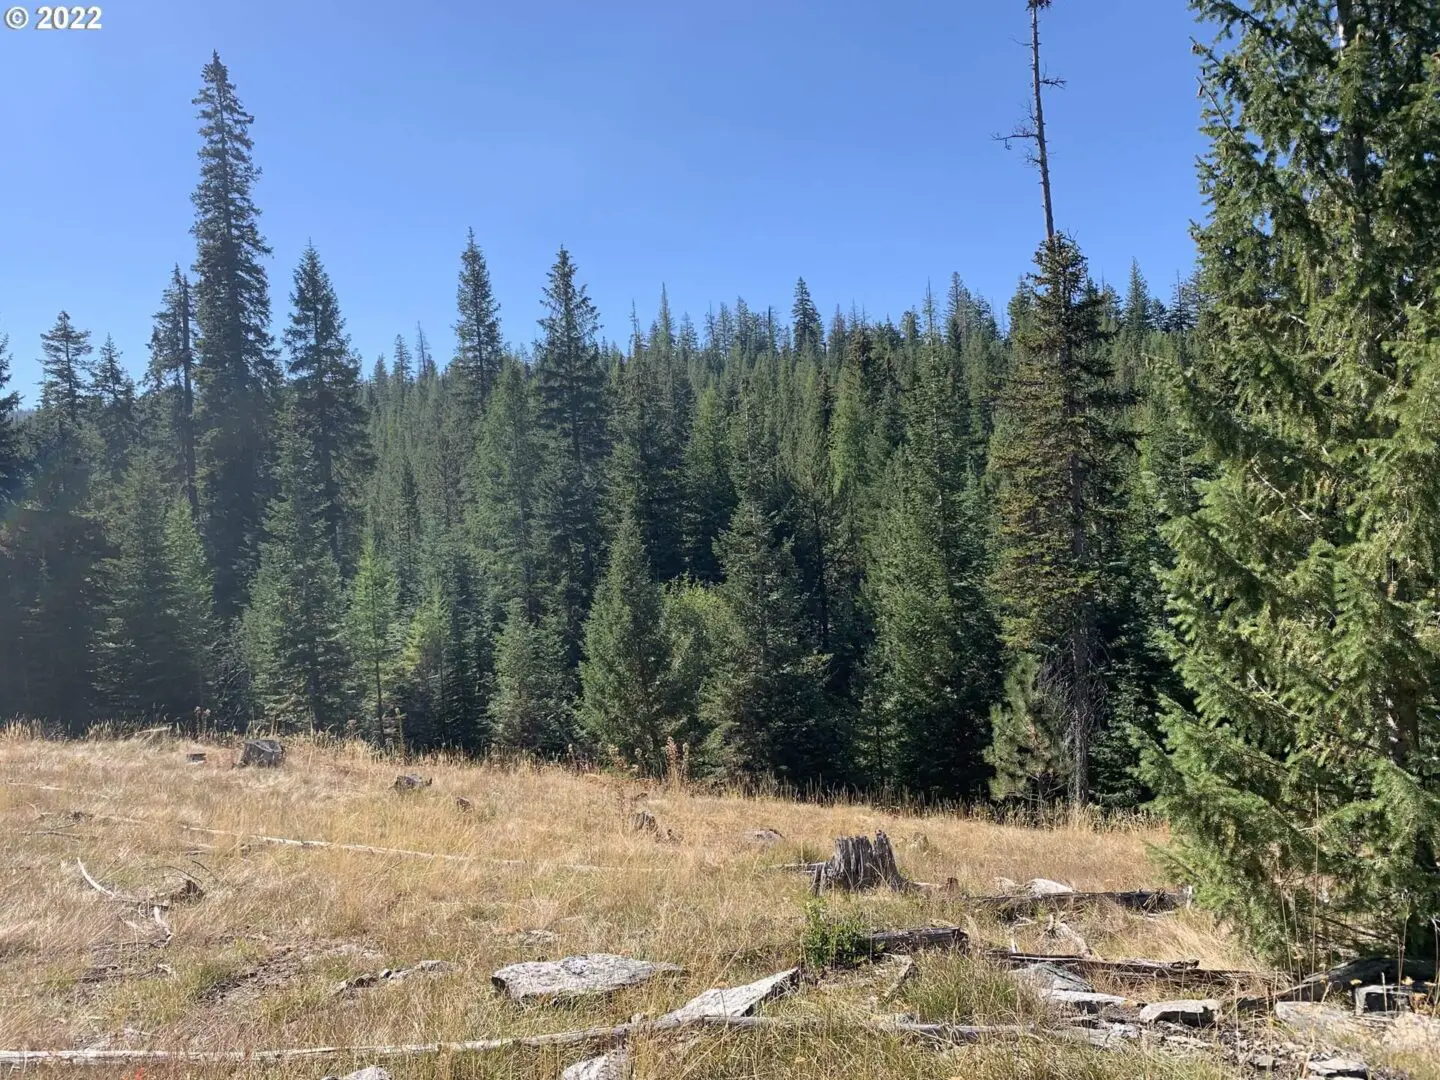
(720, 149)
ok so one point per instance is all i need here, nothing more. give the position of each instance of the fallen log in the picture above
(1143, 900)
(917, 939)
(1180, 971)
(940, 1033)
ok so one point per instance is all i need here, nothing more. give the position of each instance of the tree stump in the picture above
(263, 753)
(411, 782)
(644, 821)
(858, 865)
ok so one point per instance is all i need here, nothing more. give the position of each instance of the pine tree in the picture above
(709, 489)
(374, 634)
(764, 706)
(629, 696)
(148, 667)
(533, 708)
(172, 374)
(570, 389)
(649, 428)
(66, 374)
(294, 627)
(805, 326)
(13, 465)
(235, 365)
(477, 336)
(1303, 783)
(1055, 459)
(194, 599)
(325, 392)
(116, 420)
(937, 647)
(505, 524)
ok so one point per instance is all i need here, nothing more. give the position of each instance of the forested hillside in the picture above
(1100, 544)
(794, 544)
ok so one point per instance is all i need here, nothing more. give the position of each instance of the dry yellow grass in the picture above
(544, 866)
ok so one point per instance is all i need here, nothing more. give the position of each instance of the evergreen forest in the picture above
(1136, 544)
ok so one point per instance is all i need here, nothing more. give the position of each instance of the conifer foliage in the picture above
(1305, 578)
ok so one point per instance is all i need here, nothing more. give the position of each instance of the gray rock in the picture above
(1338, 1067)
(766, 836)
(576, 976)
(1053, 977)
(1082, 1001)
(411, 782)
(736, 1000)
(262, 753)
(370, 1072)
(1197, 1012)
(612, 1066)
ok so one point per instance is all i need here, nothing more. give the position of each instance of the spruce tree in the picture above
(629, 696)
(13, 464)
(172, 374)
(934, 666)
(116, 420)
(765, 704)
(570, 390)
(649, 427)
(374, 634)
(66, 371)
(505, 523)
(325, 395)
(148, 667)
(533, 709)
(293, 629)
(1055, 458)
(235, 364)
(477, 337)
(708, 486)
(1303, 784)
(805, 327)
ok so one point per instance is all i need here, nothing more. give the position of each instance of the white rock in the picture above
(1045, 887)
(575, 976)
(736, 1000)
(1197, 1012)
(1082, 1000)
(1347, 1067)
(613, 1066)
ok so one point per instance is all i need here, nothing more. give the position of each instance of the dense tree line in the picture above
(1099, 546)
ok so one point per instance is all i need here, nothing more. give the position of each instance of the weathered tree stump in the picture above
(463, 804)
(195, 757)
(644, 821)
(410, 782)
(262, 753)
(858, 864)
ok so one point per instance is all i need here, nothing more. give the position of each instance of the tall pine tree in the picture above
(235, 362)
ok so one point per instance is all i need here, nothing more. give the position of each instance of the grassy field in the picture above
(544, 865)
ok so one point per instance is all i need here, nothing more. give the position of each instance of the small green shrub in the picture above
(832, 940)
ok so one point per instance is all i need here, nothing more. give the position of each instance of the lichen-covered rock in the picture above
(612, 1066)
(576, 976)
(736, 1000)
(1196, 1012)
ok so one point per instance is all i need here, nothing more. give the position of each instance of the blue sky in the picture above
(720, 149)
